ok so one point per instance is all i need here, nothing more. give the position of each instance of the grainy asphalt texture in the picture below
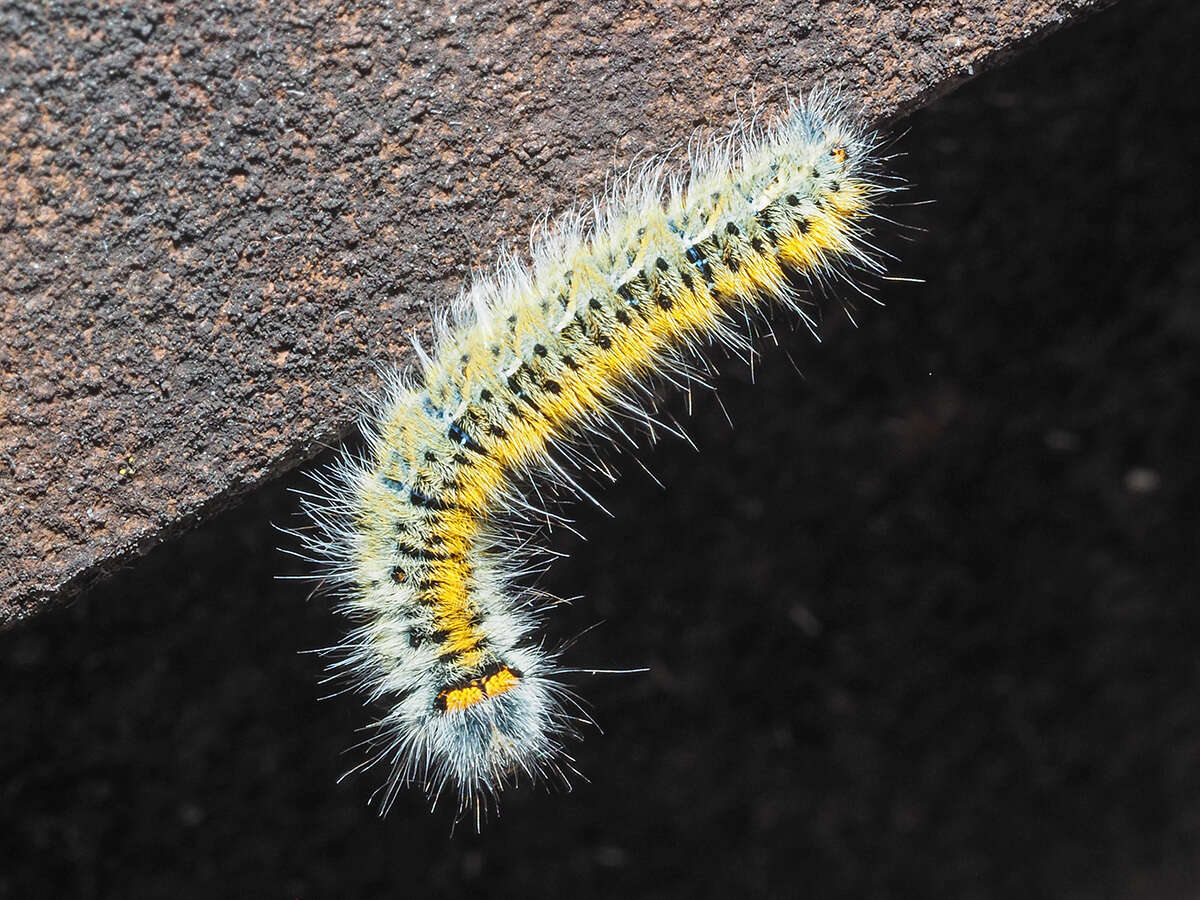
(217, 219)
(923, 624)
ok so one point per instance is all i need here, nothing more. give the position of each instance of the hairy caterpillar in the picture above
(426, 535)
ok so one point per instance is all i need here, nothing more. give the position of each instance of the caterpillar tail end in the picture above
(506, 724)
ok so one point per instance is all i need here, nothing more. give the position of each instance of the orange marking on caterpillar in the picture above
(477, 690)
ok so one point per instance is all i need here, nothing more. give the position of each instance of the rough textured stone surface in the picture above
(215, 221)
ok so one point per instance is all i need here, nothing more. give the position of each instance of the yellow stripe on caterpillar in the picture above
(497, 682)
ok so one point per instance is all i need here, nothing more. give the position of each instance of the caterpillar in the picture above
(427, 533)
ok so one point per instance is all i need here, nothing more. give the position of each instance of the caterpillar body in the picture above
(427, 532)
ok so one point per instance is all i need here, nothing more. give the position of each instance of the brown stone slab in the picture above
(216, 221)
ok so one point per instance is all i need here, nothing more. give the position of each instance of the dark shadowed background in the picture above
(923, 624)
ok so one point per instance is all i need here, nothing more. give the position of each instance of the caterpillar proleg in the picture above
(426, 534)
